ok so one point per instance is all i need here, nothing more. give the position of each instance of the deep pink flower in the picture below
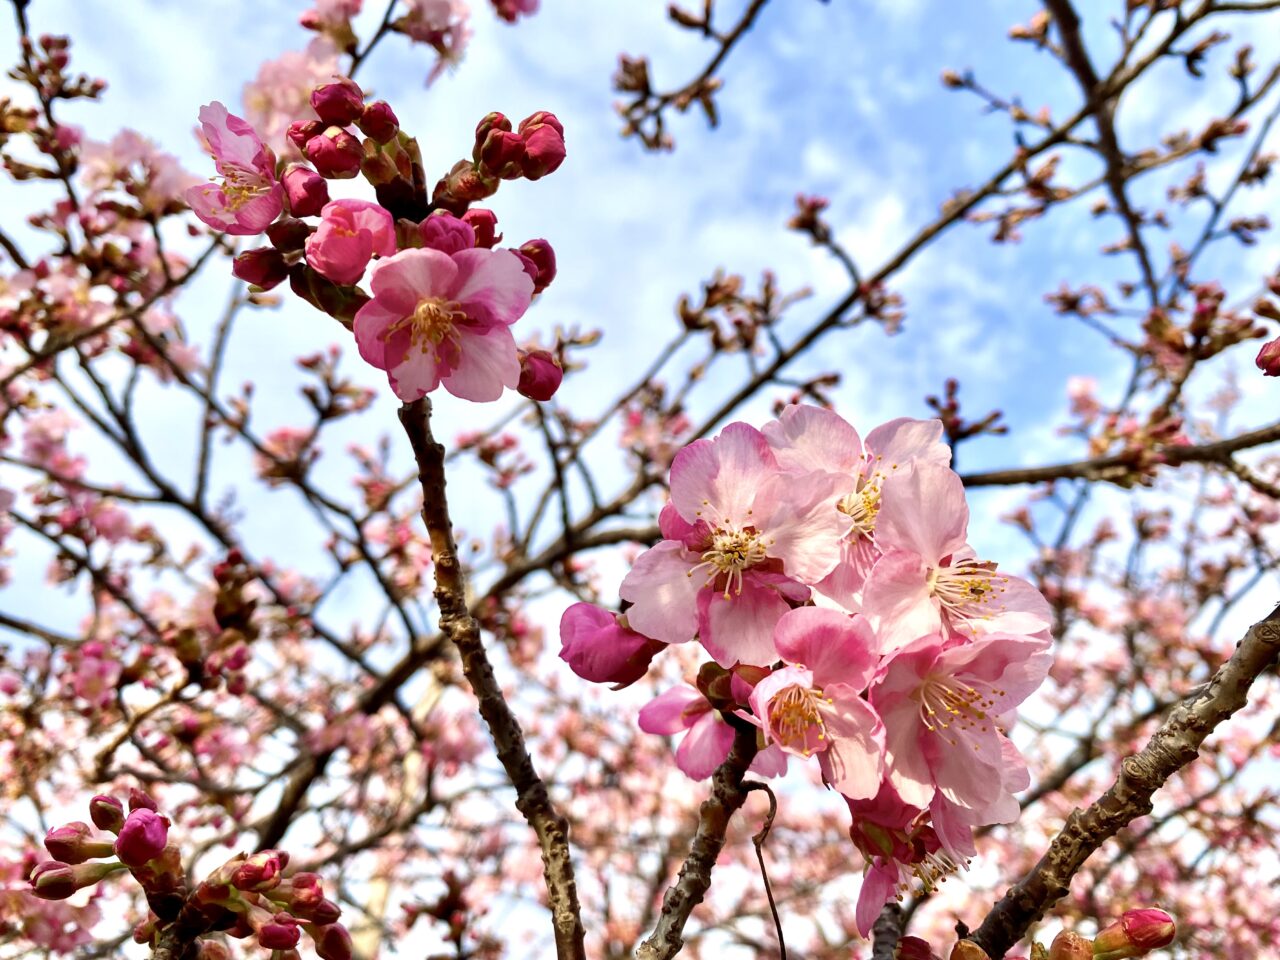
(742, 538)
(814, 704)
(940, 701)
(250, 197)
(601, 649)
(928, 578)
(709, 738)
(142, 837)
(350, 233)
(439, 319)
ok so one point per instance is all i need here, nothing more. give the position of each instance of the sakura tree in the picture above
(384, 574)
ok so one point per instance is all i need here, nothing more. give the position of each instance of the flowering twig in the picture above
(457, 623)
(1172, 747)
(728, 793)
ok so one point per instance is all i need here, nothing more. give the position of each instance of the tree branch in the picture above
(457, 623)
(1170, 748)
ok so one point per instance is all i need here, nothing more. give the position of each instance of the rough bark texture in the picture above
(887, 932)
(1170, 748)
(463, 630)
(727, 795)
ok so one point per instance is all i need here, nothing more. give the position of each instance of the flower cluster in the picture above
(443, 294)
(248, 896)
(831, 580)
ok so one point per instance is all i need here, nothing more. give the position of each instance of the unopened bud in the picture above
(333, 942)
(539, 263)
(301, 131)
(74, 843)
(107, 813)
(306, 190)
(1070, 946)
(485, 224)
(281, 932)
(444, 232)
(540, 375)
(263, 267)
(140, 801)
(335, 153)
(1269, 358)
(339, 103)
(378, 122)
(1135, 934)
(544, 148)
(142, 837)
(53, 880)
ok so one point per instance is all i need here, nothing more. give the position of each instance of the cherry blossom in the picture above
(250, 197)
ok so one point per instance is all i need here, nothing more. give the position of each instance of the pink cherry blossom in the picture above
(741, 539)
(444, 319)
(814, 705)
(940, 700)
(928, 578)
(250, 197)
(350, 233)
(709, 738)
(281, 92)
(806, 438)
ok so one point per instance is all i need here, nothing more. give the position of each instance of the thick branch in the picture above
(457, 623)
(1172, 747)
(887, 932)
(727, 795)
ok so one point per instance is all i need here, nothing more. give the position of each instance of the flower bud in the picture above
(263, 267)
(338, 104)
(378, 122)
(333, 942)
(140, 801)
(444, 232)
(540, 376)
(301, 131)
(502, 155)
(600, 649)
(1135, 934)
(261, 872)
(1269, 358)
(325, 912)
(306, 190)
(53, 880)
(288, 234)
(335, 153)
(485, 224)
(142, 837)
(1070, 946)
(539, 255)
(281, 932)
(74, 843)
(489, 123)
(107, 813)
(544, 148)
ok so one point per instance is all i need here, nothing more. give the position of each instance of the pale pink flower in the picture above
(941, 701)
(440, 319)
(330, 14)
(444, 24)
(806, 438)
(281, 92)
(742, 538)
(350, 233)
(250, 197)
(708, 739)
(814, 704)
(132, 161)
(928, 578)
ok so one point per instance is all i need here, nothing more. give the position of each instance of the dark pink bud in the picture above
(378, 122)
(263, 267)
(288, 234)
(485, 224)
(142, 837)
(53, 880)
(74, 843)
(107, 813)
(600, 649)
(543, 258)
(140, 801)
(1269, 358)
(488, 123)
(335, 153)
(1135, 934)
(913, 948)
(325, 912)
(306, 190)
(540, 375)
(281, 932)
(502, 155)
(333, 942)
(261, 872)
(544, 148)
(446, 233)
(301, 131)
(338, 104)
